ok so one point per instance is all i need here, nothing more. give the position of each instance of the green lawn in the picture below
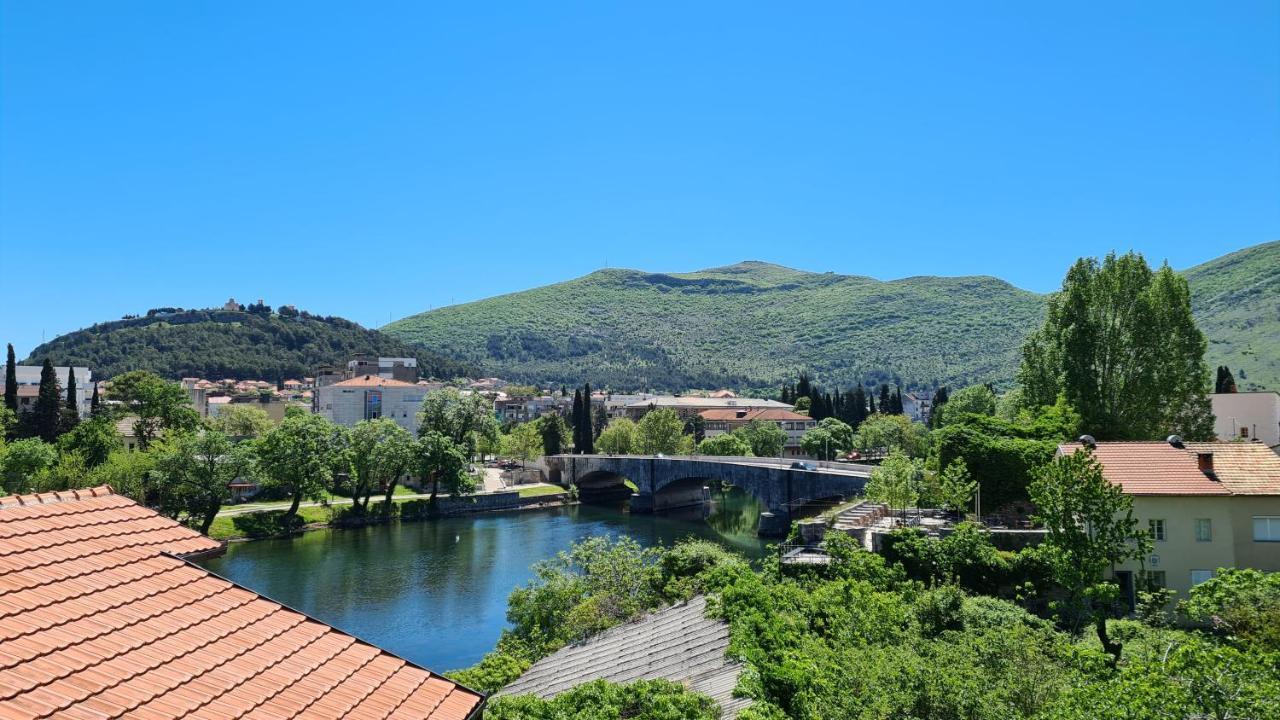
(540, 490)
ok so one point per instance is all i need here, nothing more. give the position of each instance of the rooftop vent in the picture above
(1088, 441)
(1174, 440)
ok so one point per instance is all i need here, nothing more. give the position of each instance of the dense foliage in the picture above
(868, 638)
(230, 344)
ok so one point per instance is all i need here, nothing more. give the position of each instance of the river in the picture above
(435, 592)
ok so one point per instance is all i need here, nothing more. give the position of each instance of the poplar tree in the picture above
(1120, 344)
(11, 381)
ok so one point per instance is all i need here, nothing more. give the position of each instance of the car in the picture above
(797, 465)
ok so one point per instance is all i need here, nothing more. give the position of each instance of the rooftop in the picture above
(101, 615)
(749, 414)
(1158, 468)
(373, 381)
(679, 643)
(705, 402)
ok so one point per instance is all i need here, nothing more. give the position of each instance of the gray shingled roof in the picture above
(679, 643)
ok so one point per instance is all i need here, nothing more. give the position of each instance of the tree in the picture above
(462, 418)
(659, 431)
(804, 405)
(159, 405)
(1120, 342)
(896, 481)
(578, 444)
(8, 421)
(128, 473)
(194, 471)
(1226, 382)
(725, 444)
(554, 432)
(1090, 529)
(976, 399)
(22, 461)
(697, 427)
(11, 381)
(46, 415)
(524, 442)
(956, 487)
(621, 437)
(378, 452)
(95, 405)
(94, 439)
(765, 438)
(443, 463)
(841, 433)
(939, 399)
(73, 403)
(886, 433)
(297, 457)
(819, 443)
(588, 427)
(242, 420)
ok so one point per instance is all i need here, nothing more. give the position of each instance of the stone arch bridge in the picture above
(668, 482)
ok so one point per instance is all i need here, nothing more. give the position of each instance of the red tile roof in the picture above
(1152, 468)
(101, 616)
(747, 415)
(1243, 468)
(373, 381)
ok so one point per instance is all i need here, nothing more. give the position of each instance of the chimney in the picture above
(1204, 461)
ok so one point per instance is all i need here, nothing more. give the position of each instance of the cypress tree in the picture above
(1226, 383)
(871, 404)
(71, 391)
(588, 429)
(46, 416)
(897, 401)
(886, 399)
(11, 381)
(939, 399)
(96, 403)
(577, 422)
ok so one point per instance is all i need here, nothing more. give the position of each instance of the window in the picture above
(1204, 530)
(1266, 529)
(1199, 576)
(1156, 579)
(1244, 432)
(1157, 529)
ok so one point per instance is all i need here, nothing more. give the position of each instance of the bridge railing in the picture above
(739, 459)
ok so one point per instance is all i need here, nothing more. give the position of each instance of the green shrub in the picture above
(600, 700)
(266, 524)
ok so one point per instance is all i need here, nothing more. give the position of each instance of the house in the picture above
(918, 405)
(368, 397)
(1247, 416)
(107, 615)
(679, 643)
(724, 420)
(1208, 505)
(28, 377)
(686, 406)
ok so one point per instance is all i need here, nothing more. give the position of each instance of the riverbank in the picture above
(265, 522)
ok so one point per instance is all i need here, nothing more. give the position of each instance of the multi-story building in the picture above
(1247, 416)
(1207, 506)
(29, 386)
(369, 397)
(690, 405)
(795, 425)
(918, 405)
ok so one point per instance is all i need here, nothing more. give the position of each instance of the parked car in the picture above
(797, 465)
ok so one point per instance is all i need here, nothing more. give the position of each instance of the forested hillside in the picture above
(754, 324)
(747, 324)
(229, 344)
(1236, 299)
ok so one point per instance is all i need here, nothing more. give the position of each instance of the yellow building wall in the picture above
(1180, 553)
(1251, 554)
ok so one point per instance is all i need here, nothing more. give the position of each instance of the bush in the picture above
(266, 524)
(1241, 604)
(641, 700)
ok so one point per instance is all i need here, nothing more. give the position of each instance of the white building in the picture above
(29, 377)
(918, 405)
(1251, 416)
(368, 397)
(725, 420)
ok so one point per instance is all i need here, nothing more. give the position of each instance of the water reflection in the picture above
(435, 592)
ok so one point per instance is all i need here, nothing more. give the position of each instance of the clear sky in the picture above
(373, 160)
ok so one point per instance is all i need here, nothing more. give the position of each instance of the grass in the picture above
(224, 528)
(540, 490)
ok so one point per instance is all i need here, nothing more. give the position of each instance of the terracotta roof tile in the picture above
(100, 617)
(1158, 468)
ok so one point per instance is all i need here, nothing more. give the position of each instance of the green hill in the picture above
(229, 344)
(1236, 299)
(744, 325)
(755, 324)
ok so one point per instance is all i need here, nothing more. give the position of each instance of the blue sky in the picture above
(374, 161)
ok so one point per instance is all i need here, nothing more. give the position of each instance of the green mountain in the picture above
(1236, 299)
(229, 344)
(755, 324)
(749, 324)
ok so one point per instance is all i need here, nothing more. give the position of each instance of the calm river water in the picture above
(436, 592)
